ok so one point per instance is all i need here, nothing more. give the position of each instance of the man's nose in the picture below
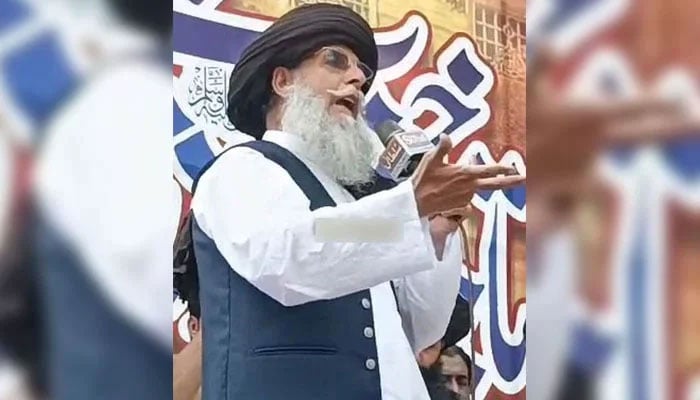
(356, 77)
(454, 386)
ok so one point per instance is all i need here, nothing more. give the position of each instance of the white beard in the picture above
(340, 146)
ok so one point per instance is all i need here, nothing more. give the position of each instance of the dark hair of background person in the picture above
(433, 376)
(185, 275)
(186, 286)
(188, 289)
(457, 351)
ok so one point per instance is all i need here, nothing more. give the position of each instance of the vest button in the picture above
(369, 332)
(370, 364)
(366, 304)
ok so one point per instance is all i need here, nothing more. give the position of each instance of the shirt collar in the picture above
(291, 142)
(297, 146)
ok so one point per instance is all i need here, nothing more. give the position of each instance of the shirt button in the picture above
(366, 304)
(370, 364)
(369, 332)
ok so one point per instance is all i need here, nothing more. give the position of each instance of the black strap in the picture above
(185, 276)
(289, 162)
(285, 159)
(300, 173)
(184, 260)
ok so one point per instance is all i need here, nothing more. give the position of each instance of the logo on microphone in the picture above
(392, 155)
(416, 141)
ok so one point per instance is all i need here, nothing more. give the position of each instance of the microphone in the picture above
(403, 152)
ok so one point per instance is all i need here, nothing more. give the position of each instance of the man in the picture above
(187, 369)
(187, 364)
(432, 362)
(103, 184)
(25, 105)
(566, 137)
(457, 329)
(454, 372)
(295, 276)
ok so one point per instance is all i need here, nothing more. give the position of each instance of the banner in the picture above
(453, 66)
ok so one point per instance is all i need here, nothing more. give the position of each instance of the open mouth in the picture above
(349, 103)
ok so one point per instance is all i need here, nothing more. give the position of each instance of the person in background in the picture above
(187, 364)
(438, 360)
(455, 374)
(567, 136)
(457, 329)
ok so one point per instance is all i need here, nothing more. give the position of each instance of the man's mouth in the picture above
(348, 99)
(349, 103)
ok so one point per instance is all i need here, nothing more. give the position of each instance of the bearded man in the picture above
(314, 283)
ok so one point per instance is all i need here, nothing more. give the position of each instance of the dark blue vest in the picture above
(254, 348)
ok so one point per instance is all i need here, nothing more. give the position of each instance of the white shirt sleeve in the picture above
(426, 299)
(260, 221)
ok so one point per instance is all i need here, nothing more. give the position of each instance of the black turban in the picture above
(286, 43)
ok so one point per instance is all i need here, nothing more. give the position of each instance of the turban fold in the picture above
(286, 43)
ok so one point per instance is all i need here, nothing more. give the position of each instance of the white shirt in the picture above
(104, 180)
(260, 221)
(550, 296)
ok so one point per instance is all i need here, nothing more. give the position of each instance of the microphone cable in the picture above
(465, 239)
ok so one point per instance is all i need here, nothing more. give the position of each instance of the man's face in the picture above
(337, 75)
(322, 103)
(456, 375)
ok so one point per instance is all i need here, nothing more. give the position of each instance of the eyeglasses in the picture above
(340, 60)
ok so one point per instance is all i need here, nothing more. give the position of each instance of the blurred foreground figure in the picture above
(613, 145)
(568, 139)
(104, 222)
(187, 364)
(32, 36)
(21, 374)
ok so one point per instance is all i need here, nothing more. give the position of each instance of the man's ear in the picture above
(193, 324)
(282, 81)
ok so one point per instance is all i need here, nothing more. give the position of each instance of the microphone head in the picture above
(386, 129)
(403, 152)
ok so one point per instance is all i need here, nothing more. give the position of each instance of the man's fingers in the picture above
(486, 171)
(443, 148)
(649, 130)
(499, 182)
(459, 212)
